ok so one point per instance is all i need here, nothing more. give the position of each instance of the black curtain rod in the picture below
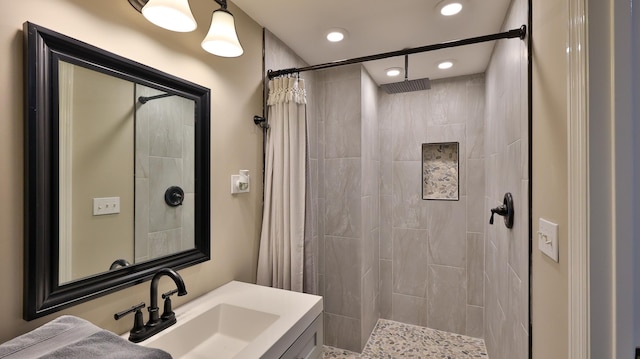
(520, 33)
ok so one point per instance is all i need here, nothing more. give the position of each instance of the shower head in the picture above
(406, 85)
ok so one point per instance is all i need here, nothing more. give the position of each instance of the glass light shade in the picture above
(174, 15)
(222, 40)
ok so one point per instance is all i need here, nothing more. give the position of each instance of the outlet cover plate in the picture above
(235, 188)
(106, 205)
(548, 238)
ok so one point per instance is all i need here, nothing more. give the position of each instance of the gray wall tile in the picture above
(475, 321)
(447, 233)
(386, 219)
(409, 210)
(343, 213)
(164, 243)
(476, 216)
(447, 298)
(475, 269)
(188, 222)
(343, 279)
(386, 288)
(163, 173)
(409, 128)
(410, 310)
(410, 261)
(343, 119)
(342, 332)
(370, 304)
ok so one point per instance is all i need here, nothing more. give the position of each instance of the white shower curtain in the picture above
(285, 241)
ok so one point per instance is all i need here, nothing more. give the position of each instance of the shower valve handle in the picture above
(506, 210)
(500, 210)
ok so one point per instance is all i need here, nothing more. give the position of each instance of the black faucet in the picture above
(156, 323)
(154, 318)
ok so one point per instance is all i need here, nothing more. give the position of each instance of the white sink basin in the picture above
(220, 332)
(238, 320)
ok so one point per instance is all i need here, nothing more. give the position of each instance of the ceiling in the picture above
(376, 26)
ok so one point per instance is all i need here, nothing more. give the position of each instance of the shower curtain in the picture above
(286, 259)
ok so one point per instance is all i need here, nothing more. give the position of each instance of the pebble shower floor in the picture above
(391, 340)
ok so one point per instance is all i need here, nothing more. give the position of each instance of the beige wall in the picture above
(549, 177)
(236, 143)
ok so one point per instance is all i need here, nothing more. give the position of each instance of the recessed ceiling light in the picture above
(445, 65)
(336, 35)
(394, 71)
(449, 7)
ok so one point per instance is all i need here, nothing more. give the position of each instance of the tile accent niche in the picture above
(440, 171)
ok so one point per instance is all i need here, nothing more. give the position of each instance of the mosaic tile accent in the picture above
(440, 171)
(398, 340)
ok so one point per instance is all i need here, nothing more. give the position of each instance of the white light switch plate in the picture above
(106, 205)
(548, 238)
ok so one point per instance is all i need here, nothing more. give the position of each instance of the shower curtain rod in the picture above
(520, 33)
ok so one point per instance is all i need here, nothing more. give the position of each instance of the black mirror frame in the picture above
(42, 293)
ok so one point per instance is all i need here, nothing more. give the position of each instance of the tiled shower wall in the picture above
(344, 168)
(349, 182)
(165, 154)
(507, 170)
(431, 251)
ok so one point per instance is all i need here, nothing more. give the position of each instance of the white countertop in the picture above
(295, 311)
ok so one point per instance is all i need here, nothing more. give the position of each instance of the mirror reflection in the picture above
(122, 147)
(117, 172)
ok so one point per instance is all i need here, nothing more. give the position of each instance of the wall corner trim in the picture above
(578, 143)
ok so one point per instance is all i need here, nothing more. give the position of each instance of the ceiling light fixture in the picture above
(175, 15)
(449, 7)
(444, 65)
(336, 35)
(394, 71)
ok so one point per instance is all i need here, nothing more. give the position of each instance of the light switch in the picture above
(106, 205)
(548, 238)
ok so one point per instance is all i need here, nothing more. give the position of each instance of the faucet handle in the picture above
(169, 293)
(138, 322)
(168, 313)
(135, 308)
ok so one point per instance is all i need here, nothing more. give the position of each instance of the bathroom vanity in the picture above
(241, 320)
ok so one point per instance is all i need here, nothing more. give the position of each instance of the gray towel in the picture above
(71, 337)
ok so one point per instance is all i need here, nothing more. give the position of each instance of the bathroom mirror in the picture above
(117, 172)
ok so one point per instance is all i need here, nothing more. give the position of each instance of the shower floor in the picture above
(391, 339)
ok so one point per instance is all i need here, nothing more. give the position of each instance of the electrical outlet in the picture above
(240, 184)
(548, 238)
(106, 205)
